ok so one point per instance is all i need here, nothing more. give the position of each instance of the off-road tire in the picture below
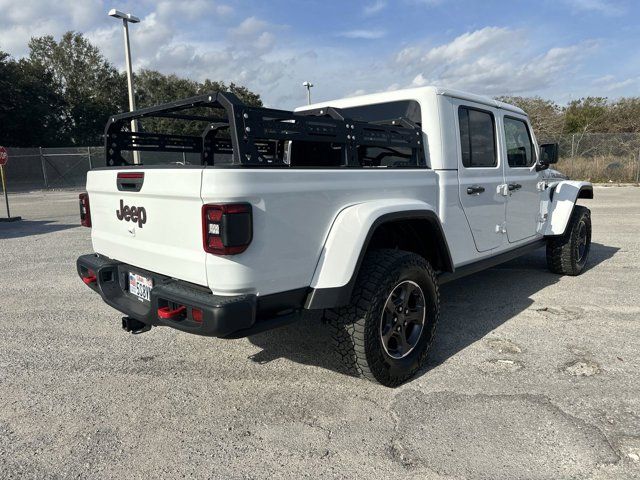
(356, 327)
(564, 254)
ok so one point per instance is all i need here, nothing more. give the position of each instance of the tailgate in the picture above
(163, 233)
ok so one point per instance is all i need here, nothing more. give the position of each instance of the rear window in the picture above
(387, 157)
(378, 112)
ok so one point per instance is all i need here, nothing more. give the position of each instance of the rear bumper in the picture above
(222, 316)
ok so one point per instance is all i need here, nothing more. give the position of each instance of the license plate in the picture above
(140, 286)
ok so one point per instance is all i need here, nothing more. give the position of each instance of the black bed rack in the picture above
(256, 136)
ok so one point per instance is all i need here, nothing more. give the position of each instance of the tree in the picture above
(30, 111)
(546, 116)
(65, 91)
(92, 88)
(625, 115)
(153, 88)
(586, 115)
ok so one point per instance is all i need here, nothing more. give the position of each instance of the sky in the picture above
(558, 49)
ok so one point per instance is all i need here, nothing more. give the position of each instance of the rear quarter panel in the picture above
(293, 212)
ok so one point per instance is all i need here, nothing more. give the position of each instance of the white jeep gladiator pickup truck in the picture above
(359, 207)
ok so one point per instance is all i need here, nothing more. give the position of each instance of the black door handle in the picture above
(475, 190)
(514, 186)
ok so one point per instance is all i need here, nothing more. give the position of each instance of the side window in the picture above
(477, 138)
(520, 150)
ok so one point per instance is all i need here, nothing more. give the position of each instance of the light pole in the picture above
(308, 86)
(126, 19)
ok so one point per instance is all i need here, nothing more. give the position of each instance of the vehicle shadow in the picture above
(26, 228)
(471, 308)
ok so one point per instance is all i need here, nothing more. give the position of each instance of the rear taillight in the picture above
(227, 229)
(85, 211)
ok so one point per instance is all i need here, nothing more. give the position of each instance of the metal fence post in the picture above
(573, 137)
(89, 155)
(44, 168)
(638, 170)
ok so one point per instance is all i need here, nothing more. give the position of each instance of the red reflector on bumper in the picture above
(89, 276)
(196, 314)
(167, 313)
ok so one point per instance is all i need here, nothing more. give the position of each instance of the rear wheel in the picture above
(385, 332)
(568, 254)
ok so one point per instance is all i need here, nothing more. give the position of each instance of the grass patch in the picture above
(600, 169)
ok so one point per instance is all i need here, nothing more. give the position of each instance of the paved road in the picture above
(531, 376)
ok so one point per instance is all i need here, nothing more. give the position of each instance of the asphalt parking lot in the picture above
(531, 376)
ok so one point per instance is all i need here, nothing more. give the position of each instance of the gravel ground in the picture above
(531, 376)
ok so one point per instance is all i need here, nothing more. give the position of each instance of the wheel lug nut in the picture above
(406, 311)
(395, 319)
(405, 324)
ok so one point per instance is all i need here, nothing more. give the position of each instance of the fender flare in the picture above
(562, 201)
(346, 245)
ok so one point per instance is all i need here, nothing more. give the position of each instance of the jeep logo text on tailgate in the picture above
(134, 214)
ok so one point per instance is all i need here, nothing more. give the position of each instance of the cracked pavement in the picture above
(531, 376)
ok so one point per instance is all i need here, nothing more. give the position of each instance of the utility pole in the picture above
(126, 19)
(308, 86)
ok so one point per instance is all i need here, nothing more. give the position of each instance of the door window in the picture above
(520, 151)
(477, 138)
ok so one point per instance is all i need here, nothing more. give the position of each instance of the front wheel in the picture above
(567, 254)
(386, 330)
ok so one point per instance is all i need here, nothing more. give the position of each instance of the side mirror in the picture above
(549, 153)
(548, 156)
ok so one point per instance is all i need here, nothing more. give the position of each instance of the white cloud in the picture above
(249, 26)
(609, 83)
(375, 7)
(176, 37)
(26, 19)
(363, 34)
(472, 44)
(606, 7)
(190, 9)
(419, 81)
(356, 93)
(604, 80)
(408, 55)
(255, 34)
(490, 60)
(429, 3)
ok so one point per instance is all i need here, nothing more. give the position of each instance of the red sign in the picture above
(4, 156)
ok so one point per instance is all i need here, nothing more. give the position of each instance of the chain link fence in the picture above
(598, 157)
(51, 168)
(60, 168)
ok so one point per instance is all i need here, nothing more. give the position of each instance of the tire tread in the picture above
(348, 324)
(560, 256)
